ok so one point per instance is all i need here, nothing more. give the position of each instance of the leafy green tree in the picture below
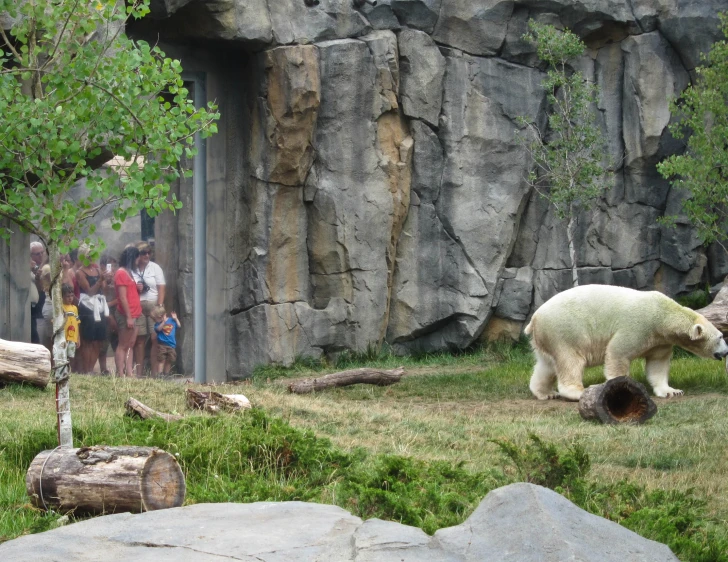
(75, 92)
(568, 153)
(702, 170)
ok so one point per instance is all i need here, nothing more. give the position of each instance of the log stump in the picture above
(214, 402)
(619, 400)
(346, 378)
(28, 363)
(98, 480)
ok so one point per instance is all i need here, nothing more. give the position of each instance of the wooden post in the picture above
(97, 480)
(619, 400)
(346, 378)
(28, 363)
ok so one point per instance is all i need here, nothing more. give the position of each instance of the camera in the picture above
(145, 287)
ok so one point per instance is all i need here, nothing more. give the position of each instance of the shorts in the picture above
(121, 320)
(90, 329)
(166, 353)
(144, 323)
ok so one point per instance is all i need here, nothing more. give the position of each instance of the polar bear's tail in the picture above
(529, 329)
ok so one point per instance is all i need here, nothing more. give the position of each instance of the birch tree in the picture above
(568, 153)
(75, 92)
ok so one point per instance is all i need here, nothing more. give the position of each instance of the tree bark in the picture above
(346, 378)
(27, 363)
(61, 367)
(136, 408)
(570, 234)
(96, 480)
(214, 402)
(619, 400)
(717, 311)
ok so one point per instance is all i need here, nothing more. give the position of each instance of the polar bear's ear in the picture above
(696, 331)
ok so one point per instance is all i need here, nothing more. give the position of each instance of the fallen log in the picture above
(717, 311)
(619, 400)
(346, 378)
(28, 363)
(136, 408)
(97, 480)
(214, 402)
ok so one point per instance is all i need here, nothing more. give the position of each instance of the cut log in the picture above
(214, 402)
(346, 378)
(97, 480)
(717, 311)
(136, 408)
(27, 363)
(619, 400)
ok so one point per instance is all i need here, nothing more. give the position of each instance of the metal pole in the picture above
(199, 215)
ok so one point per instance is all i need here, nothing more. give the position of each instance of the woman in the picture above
(108, 269)
(92, 311)
(152, 289)
(128, 310)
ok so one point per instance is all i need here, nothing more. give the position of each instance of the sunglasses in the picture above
(36, 253)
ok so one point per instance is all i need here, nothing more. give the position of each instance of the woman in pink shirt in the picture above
(128, 309)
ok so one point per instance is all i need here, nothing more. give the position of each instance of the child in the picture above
(166, 328)
(70, 313)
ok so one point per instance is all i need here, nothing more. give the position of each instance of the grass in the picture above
(423, 451)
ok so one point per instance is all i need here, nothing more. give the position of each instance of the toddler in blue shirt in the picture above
(166, 327)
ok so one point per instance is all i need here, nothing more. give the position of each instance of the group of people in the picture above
(115, 302)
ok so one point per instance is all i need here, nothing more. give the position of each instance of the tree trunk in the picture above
(96, 480)
(570, 233)
(619, 400)
(27, 363)
(61, 368)
(136, 408)
(346, 378)
(214, 402)
(717, 311)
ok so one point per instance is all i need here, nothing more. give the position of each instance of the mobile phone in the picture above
(108, 268)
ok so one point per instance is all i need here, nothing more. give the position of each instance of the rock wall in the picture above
(385, 198)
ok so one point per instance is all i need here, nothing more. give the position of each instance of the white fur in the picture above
(601, 324)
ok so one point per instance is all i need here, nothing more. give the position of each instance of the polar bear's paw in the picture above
(668, 392)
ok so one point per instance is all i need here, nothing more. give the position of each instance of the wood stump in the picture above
(214, 402)
(98, 480)
(346, 378)
(619, 400)
(21, 362)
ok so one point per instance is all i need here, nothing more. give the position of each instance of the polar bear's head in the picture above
(706, 340)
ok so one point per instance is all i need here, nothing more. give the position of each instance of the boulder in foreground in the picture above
(518, 523)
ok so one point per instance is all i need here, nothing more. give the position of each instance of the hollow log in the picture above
(97, 480)
(346, 378)
(27, 363)
(136, 408)
(717, 311)
(619, 400)
(214, 402)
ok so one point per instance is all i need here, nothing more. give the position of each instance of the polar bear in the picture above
(601, 324)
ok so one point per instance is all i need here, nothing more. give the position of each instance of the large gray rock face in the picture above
(384, 198)
(518, 523)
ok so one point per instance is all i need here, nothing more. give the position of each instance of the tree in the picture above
(567, 155)
(702, 170)
(75, 92)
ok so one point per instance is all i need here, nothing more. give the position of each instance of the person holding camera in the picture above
(152, 289)
(92, 310)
